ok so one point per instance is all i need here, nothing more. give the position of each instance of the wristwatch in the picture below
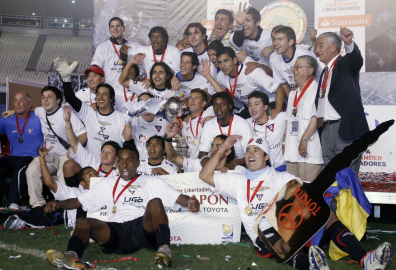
(305, 140)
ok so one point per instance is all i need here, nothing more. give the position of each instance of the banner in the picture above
(380, 157)
(217, 221)
(330, 15)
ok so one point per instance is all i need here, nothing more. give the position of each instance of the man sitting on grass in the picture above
(133, 224)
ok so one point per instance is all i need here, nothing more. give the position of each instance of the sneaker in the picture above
(64, 260)
(14, 223)
(317, 259)
(378, 258)
(164, 256)
(14, 206)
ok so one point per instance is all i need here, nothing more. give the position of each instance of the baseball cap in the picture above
(94, 69)
(262, 144)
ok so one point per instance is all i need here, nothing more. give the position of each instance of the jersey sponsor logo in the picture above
(104, 207)
(251, 47)
(239, 85)
(158, 128)
(271, 127)
(259, 196)
(30, 130)
(104, 123)
(260, 189)
(105, 137)
(14, 131)
(133, 199)
(288, 71)
(141, 136)
(134, 186)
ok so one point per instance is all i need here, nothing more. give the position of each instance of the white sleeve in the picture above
(260, 79)
(247, 134)
(40, 112)
(136, 87)
(172, 168)
(168, 195)
(64, 192)
(277, 75)
(84, 157)
(78, 127)
(206, 138)
(93, 199)
(99, 57)
(226, 184)
(175, 61)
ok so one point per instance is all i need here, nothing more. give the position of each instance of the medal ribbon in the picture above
(254, 127)
(229, 128)
(125, 95)
(326, 78)
(297, 100)
(197, 125)
(116, 50)
(122, 191)
(100, 168)
(250, 199)
(126, 99)
(232, 91)
(24, 125)
(155, 58)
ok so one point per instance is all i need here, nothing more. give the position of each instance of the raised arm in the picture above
(124, 77)
(71, 137)
(48, 181)
(171, 154)
(206, 73)
(70, 97)
(239, 37)
(207, 171)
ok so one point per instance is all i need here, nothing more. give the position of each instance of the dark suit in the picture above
(344, 95)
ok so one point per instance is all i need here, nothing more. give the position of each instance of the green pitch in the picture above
(32, 249)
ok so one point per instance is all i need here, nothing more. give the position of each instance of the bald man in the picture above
(23, 130)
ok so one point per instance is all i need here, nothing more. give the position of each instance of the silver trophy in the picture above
(173, 106)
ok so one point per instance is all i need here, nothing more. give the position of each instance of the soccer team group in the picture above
(255, 101)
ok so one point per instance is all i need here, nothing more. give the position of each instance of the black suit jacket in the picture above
(345, 97)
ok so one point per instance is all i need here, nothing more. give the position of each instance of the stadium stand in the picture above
(14, 64)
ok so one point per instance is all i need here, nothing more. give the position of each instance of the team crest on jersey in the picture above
(259, 196)
(102, 129)
(131, 191)
(158, 128)
(239, 91)
(49, 130)
(30, 130)
(260, 189)
(104, 123)
(271, 127)
(251, 47)
(142, 136)
(291, 78)
(288, 71)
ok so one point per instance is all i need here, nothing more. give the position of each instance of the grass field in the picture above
(32, 249)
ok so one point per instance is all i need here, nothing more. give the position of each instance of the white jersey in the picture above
(282, 69)
(165, 94)
(190, 134)
(239, 127)
(254, 47)
(272, 132)
(296, 127)
(133, 201)
(85, 158)
(145, 167)
(143, 130)
(234, 185)
(203, 56)
(192, 164)
(58, 125)
(64, 193)
(245, 84)
(102, 128)
(171, 58)
(86, 96)
(107, 58)
(198, 81)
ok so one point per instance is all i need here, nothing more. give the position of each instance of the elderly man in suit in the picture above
(338, 100)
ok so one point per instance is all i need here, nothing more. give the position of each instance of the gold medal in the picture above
(120, 62)
(20, 140)
(114, 210)
(248, 210)
(195, 142)
(294, 112)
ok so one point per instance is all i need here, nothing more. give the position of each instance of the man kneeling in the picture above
(137, 218)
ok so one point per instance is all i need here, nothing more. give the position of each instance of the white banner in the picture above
(380, 157)
(330, 15)
(218, 219)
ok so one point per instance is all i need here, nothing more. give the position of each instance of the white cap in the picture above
(262, 144)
